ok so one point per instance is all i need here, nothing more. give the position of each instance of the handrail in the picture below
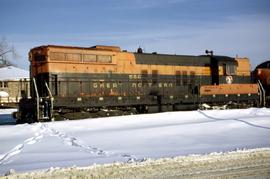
(49, 91)
(37, 97)
(262, 94)
(51, 99)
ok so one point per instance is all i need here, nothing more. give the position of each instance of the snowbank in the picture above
(6, 117)
(237, 164)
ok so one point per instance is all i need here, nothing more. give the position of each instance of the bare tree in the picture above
(5, 51)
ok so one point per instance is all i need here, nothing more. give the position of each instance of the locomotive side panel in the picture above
(123, 77)
(80, 74)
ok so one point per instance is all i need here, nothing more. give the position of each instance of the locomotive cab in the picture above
(223, 69)
(38, 59)
(39, 106)
(231, 83)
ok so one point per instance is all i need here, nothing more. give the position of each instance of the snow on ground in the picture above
(252, 163)
(130, 138)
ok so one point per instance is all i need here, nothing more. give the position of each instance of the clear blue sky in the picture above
(229, 27)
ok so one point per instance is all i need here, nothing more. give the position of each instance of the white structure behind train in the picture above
(14, 82)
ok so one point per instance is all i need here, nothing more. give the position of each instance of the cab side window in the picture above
(229, 69)
(144, 76)
(40, 58)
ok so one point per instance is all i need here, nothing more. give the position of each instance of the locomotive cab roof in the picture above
(96, 47)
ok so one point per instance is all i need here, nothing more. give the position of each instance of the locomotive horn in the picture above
(209, 52)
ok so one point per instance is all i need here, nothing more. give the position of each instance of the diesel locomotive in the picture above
(262, 75)
(78, 82)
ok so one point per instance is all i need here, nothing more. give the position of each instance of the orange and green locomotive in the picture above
(262, 76)
(78, 82)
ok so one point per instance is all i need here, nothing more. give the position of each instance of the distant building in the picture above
(13, 82)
